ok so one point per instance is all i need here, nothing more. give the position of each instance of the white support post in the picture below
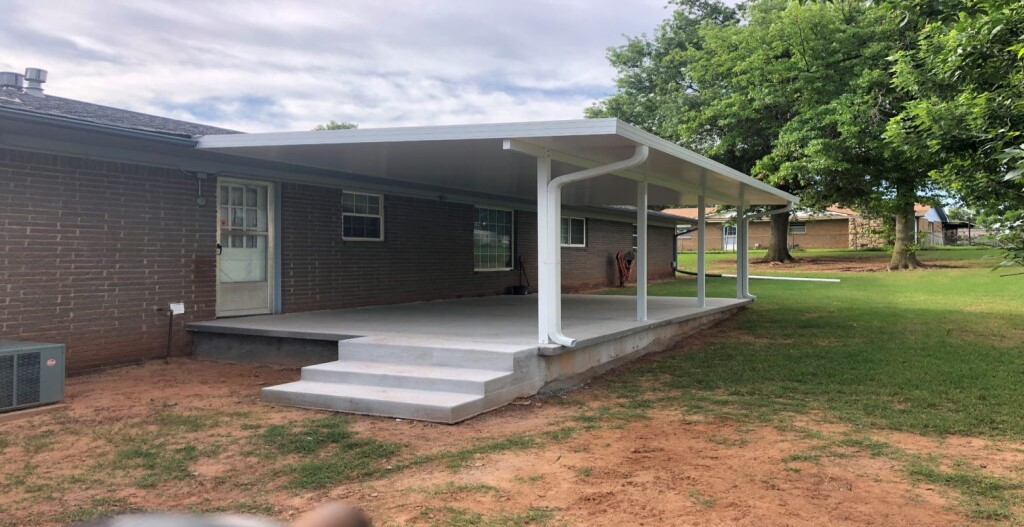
(641, 250)
(545, 260)
(701, 262)
(741, 245)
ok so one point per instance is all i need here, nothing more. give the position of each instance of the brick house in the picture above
(107, 216)
(829, 229)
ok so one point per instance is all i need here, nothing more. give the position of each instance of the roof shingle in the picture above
(106, 115)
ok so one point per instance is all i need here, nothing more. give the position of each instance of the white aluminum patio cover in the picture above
(478, 159)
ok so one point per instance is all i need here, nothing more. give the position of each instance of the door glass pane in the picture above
(245, 260)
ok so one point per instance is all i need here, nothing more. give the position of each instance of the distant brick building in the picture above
(830, 229)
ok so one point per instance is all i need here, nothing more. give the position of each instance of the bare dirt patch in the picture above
(668, 469)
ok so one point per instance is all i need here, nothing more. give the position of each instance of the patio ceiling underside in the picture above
(477, 159)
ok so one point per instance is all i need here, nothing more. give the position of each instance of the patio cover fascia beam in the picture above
(524, 147)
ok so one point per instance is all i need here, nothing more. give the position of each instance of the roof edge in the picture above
(482, 131)
(80, 124)
(636, 134)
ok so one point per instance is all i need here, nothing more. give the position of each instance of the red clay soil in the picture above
(673, 469)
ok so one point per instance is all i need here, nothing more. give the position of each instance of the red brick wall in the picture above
(90, 249)
(427, 253)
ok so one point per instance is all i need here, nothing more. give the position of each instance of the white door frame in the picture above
(272, 289)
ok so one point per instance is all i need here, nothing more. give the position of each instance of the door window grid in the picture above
(244, 232)
(240, 210)
(492, 239)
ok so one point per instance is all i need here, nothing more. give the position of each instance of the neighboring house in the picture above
(833, 228)
(934, 228)
(828, 229)
(107, 216)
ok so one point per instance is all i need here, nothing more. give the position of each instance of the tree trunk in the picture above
(904, 246)
(778, 244)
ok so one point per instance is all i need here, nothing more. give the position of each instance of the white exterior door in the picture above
(245, 258)
(728, 237)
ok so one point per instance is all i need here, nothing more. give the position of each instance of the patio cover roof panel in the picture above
(473, 158)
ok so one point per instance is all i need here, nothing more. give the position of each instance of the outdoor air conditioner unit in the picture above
(31, 374)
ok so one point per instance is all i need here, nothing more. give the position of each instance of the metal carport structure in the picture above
(577, 162)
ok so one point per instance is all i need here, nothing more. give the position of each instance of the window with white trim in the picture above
(362, 216)
(797, 227)
(492, 239)
(574, 232)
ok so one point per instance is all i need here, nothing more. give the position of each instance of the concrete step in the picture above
(434, 352)
(411, 376)
(426, 405)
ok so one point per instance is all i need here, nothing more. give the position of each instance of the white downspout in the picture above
(701, 264)
(551, 292)
(741, 243)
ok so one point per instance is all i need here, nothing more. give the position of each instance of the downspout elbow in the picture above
(558, 338)
(638, 158)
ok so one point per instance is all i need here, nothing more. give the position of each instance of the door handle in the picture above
(220, 249)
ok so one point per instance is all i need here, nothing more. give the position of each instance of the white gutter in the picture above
(551, 289)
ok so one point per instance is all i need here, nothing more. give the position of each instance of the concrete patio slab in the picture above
(496, 319)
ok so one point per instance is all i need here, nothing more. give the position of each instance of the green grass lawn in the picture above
(939, 351)
(688, 260)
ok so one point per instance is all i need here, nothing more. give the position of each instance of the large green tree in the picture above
(798, 94)
(964, 74)
(335, 125)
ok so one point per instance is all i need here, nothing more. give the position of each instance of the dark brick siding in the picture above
(90, 249)
(427, 253)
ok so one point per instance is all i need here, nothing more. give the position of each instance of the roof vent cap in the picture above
(10, 80)
(34, 79)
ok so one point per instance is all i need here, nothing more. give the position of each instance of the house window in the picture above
(362, 216)
(797, 227)
(574, 232)
(492, 240)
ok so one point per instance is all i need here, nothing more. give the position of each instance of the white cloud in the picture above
(258, 66)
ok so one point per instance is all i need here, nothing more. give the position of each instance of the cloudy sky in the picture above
(288, 65)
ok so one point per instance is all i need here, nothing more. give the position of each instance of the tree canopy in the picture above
(335, 125)
(798, 94)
